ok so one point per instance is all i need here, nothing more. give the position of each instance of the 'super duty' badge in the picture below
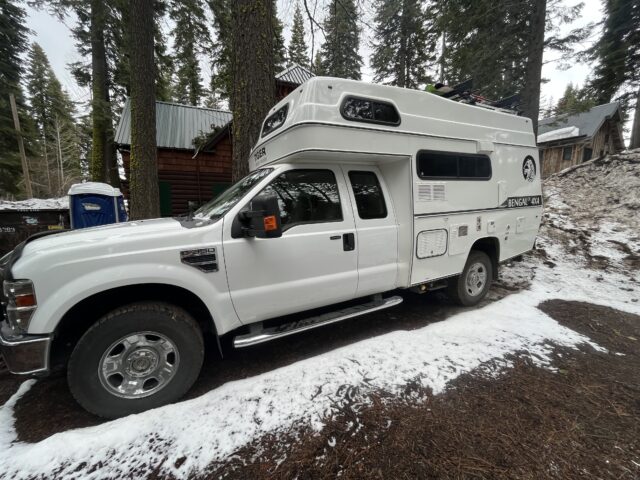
(529, 168)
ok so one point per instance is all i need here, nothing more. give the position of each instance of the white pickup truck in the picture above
(355, 190)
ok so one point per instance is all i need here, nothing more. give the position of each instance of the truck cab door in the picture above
(313, 263)
(376, 229)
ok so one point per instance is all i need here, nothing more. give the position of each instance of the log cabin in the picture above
(568, 140)
(194, 147)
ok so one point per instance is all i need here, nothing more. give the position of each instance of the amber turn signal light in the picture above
(270, 223)
(25, 300)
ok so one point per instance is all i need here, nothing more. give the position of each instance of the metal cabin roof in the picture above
(588, 122)
(294, 74)
(176, 125)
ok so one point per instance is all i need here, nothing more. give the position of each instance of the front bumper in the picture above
(25, 354)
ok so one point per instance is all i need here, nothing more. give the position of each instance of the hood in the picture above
(138, 230)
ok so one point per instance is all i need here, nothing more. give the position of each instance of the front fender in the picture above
(211, 288)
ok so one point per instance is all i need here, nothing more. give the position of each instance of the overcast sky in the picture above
(55, 38)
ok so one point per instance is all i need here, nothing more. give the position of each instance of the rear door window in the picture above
(369, 197)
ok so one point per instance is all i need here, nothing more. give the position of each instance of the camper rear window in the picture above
(275, 120)
(453, 166)
(369, 111)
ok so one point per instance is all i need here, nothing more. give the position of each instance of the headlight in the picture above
(21, 303)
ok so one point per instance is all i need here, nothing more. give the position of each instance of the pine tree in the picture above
(252, 67)
(298, 52)
(221, 80)
(145, 197)
(220, 86)
(617, 53)
(13, 41)
(339, 53)
(191, 40)
(317, 67)
(574, 100)
(500, 44)
(52, 111)
(164, 64)
(533, 67)
(279, 48)
(402, 49)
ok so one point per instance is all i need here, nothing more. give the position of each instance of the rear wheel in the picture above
(137, 357)
(472, 285)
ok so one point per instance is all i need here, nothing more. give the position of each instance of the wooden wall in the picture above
(183, 178)
(284, 89)
(600, 144)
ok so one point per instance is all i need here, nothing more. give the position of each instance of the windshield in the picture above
(220, 205)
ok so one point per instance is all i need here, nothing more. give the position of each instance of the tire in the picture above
(133, 342)
(464, 293)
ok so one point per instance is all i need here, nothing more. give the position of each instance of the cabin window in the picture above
(369, 111)
(453, 166)
(587, 154)
(275, 120)
(567, 153)
(306, 196)
(369, 196)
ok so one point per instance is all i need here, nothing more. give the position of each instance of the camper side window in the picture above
(306, 196)
(453, 166)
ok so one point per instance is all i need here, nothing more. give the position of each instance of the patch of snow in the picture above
(559, 134)
(61, 203)
(7, 431)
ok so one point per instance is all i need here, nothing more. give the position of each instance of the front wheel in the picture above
(472, 285)
(135, 358)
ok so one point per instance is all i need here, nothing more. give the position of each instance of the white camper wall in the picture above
(473, 210)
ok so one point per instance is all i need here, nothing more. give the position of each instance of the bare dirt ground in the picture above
(582, 421)
(578, 419)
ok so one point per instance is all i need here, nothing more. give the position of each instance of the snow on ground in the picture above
(214, 426)
(36, 204)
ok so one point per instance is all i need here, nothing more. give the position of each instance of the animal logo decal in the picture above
(529, 168)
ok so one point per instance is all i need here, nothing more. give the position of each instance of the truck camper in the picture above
(355, 191)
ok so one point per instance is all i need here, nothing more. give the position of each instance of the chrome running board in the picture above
(262, 335)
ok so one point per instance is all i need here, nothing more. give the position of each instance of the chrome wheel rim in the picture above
(138, 365)
(476, 279)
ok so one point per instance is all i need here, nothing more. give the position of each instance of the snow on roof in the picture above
(559, 134)
(61, 203)
(94, 187)
(295, 74)
(588, 122)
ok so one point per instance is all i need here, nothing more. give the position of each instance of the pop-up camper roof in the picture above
(327, 112)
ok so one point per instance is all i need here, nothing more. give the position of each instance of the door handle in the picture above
(334, 237)
(349, 242)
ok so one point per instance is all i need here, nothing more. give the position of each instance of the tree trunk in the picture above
(103, 156)
(533, 73)
(252, 70)
(635, 130)
(143, 187)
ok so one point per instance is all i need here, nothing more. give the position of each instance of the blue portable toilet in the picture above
(93, 203)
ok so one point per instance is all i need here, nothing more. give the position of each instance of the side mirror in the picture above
(263, 220)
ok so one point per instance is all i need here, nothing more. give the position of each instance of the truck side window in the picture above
(306, 196)
(453, 166)
(368, 193)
